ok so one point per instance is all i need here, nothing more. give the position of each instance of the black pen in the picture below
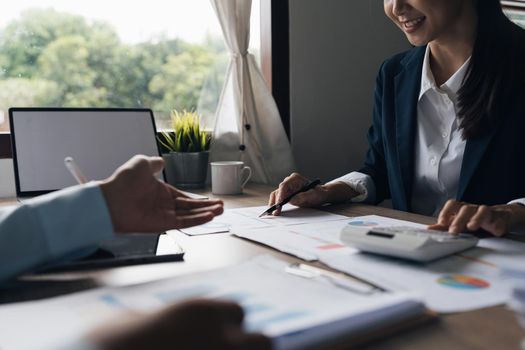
(305, 188)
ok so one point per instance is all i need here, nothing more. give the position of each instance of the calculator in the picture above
(406, 242)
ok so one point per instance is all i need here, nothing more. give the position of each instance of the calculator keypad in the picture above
(440, 236)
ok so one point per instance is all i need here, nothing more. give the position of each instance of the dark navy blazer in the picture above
(493, 166)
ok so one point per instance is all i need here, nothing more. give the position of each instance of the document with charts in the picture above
(293, 311)
(312, 240)
(306, 241)
(248, 218)
(464, 281)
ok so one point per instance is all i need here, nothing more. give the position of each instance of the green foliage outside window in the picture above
(49, 58)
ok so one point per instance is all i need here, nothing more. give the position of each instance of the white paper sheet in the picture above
(451, 284)
(378, 221)
(441, 293)
(465, 281)
(515, 276)
(308, 241)
(475, 282)
(498, 251)
(317, 238)
(292, 310)
(248, 218)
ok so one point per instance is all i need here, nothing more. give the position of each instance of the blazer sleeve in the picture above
(374, 164)
(50, 227)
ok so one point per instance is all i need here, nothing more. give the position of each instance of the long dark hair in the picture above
(494, 71)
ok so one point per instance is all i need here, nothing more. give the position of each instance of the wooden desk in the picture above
(492, 328)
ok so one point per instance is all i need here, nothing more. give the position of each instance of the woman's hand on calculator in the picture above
(457, 217)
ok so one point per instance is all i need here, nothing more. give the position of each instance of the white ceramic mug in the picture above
(229, 177)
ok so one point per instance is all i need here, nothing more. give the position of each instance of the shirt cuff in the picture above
(73, 218)
(362, 184)
(518, 201)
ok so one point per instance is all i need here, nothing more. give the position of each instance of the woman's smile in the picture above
(411, 25)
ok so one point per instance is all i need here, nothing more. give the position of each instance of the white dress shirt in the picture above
(439, 146)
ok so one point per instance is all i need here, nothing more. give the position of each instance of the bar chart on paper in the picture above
(267, 293)
(317, 239)
(307, 241)
(270, 300)
(261, 312)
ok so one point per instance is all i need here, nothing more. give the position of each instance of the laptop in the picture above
(100, 140)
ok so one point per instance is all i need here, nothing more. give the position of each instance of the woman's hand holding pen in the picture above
(333, 192)
(139, 202)
(293, 183)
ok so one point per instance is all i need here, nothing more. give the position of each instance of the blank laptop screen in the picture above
(99, 140)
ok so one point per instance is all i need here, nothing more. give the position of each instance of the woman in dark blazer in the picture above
(448, 121)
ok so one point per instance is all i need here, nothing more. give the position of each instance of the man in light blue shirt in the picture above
(132, 200)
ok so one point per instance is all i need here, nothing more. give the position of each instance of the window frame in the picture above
(275, 54)
(274, 62)
(5, 145)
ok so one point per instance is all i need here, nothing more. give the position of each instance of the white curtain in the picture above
(248, 126)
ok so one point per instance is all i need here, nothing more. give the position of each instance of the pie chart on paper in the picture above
(462, 282)
(362, 223)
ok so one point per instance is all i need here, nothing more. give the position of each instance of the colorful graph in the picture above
(462, 282)
(331, 246)
(112, 301)
(363, 223)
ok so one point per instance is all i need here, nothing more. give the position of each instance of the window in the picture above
(154, 54)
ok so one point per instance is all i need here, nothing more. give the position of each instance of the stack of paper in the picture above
(295, 312)
(241, 219)
(302, 232)
(515, 276)
(451, 284)
(315, 237)
(465, 281)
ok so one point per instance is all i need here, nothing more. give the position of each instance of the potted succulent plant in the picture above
(188, 146)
